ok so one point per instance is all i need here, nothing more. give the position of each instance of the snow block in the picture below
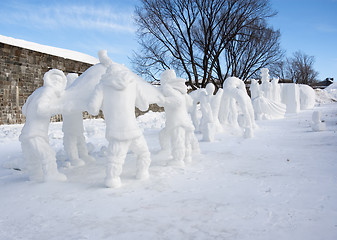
(290, 94)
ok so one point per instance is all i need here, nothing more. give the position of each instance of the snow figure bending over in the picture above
(178, 134)
(117, 94)
(73, 139)
(39, 107)
(207, 122)
(236, 109)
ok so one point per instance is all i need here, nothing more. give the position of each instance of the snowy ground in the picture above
(281, 184)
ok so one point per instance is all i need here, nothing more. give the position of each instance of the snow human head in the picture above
(71, 77)
(56, 80)
(168, 79)
(118, 76)
(265, 75)
(210, 88)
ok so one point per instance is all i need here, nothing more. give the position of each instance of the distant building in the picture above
(323, 84)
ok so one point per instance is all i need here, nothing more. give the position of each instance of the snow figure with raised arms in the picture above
(117, 94)
(73, 139)
(236, 110)
(207, 122)
(178, 133)
(39, 107)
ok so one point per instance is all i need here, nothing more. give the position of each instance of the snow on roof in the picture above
(64, 53)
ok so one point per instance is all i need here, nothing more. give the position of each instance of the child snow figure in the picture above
(179, 130)
(207, 122)
(117, 94)
(39, 107)
(73, 139)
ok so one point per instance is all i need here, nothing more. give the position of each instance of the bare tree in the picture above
(256, 47)
(192, 36)
(300, 68)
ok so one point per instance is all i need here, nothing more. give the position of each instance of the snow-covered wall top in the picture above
(68, 54)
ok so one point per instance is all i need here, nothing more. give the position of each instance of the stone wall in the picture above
(21, 72)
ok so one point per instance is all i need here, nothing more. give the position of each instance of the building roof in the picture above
(64, 53)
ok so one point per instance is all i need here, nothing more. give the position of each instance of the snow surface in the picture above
(280, 184)
(60, 52)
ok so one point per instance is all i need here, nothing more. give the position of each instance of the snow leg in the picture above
(139, 146)
(70, 147)
(117, 151)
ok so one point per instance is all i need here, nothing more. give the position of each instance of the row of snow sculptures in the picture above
(44, 102)
(266, 98)
(177, 138)
(236, 110)
(117, 94)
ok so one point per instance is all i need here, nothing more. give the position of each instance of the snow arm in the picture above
(96, 100)
(141, 101)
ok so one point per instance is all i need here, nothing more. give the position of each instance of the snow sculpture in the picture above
(207, 122)
(117, 94)
(290, 95)
(307, 97)
(178, 134)
(266, 86)
(317, 124)
(84, 85)
(276, 90)
(39, 107)
(236, 110)
(265, 108)
(196, 95)
(215, 104)
(73, 139)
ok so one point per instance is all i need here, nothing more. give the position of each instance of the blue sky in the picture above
(88, 26)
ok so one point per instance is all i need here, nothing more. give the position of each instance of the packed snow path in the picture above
(281, 184)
